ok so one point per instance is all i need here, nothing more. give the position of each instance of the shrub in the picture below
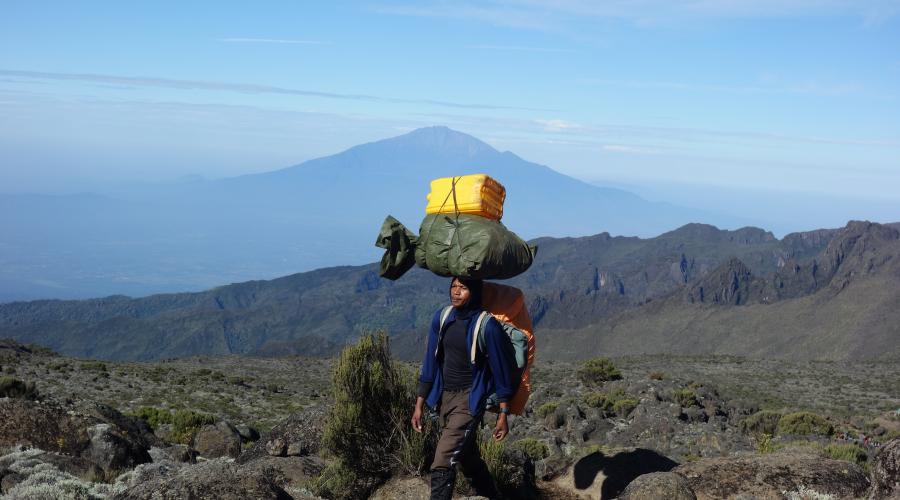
(615, 401)
(547, 409)
(849, 452)
(761, 422)
(624, 406)
(804, 423)
(657, 376)
(153, 416)
(14, 388)
(368, 430)
(534, 449)
(686, 398)
(94, 366)
(185, 423)
(597, 371)
(503, 465)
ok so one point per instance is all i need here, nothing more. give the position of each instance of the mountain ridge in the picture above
(585, 292)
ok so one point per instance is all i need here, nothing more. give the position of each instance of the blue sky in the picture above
(666, 98)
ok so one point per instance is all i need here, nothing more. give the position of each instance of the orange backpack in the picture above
(507, 305)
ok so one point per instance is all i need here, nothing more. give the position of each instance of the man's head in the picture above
(465, 293)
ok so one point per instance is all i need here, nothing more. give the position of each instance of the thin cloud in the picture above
(516, 48)
(272, 40)
(244, 88)
(806, 88)
(557, 125)
(552, 14)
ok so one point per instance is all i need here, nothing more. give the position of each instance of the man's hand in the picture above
(417, 415)
(501, 430)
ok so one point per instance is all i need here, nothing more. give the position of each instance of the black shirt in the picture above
(457, 369)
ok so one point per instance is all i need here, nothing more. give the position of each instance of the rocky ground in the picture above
(251, 428)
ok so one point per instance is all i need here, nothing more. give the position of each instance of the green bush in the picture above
(761, 422)
(185, 423)
(14, 388)
(805, 423)
(500, 462)
(624, 406)
(153, 416)
(368, 430)
(547, 409)
(686, 398)
(597, 371)
(849, 452)
(615, 401)
(534, 449)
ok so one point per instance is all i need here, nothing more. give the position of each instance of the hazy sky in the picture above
(788, 95)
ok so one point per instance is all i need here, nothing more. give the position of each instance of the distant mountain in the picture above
(826, 293)
(195, 234)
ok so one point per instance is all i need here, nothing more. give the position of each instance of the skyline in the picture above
(772, 97)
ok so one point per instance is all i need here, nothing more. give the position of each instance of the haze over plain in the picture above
(782, 115)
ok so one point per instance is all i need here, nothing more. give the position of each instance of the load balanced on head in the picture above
(481, 347)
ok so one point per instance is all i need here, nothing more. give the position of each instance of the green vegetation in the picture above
(368, 431)
(14, 388)
(597, 371)
(686, 398)
(761, 422)
(804, 423)
(614, 401)
(547, 409)
(96, 366)
(532, 448)
(185, 423)
(847, 451)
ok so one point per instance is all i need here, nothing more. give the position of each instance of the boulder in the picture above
(412, 488)
(96, 434)
(774, 475)
(299, 434)
(216, 479)
(668, 485)
(886, 471)
(219, 440)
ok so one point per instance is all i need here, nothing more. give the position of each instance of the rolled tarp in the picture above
(463, 245)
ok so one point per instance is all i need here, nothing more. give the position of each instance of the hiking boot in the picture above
(442, 482)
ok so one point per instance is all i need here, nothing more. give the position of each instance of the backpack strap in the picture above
(479, 333)
(444, 315)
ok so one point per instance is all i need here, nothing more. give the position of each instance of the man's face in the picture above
(459, 293)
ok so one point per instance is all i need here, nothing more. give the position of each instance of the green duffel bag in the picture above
(468, 246)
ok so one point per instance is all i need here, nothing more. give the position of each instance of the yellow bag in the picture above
(476, 194)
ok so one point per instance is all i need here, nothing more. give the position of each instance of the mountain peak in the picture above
(440, 138)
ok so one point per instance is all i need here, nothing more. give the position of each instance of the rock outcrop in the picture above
(96, 434)
(774, 475)
(217, 479)
(298, 435)
(886, 471)
(668, 485)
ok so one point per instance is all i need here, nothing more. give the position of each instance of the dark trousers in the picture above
(457, 445)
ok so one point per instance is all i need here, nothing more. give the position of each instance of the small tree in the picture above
(368, 430)
(11, 387)
(597, 371)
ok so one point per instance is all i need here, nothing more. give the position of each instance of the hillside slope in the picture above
(825, 293)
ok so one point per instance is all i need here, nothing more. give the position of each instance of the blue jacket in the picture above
(492, 371)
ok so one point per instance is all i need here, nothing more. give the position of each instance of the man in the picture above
(458, 387)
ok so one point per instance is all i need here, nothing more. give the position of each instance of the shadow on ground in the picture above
(619, 469)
